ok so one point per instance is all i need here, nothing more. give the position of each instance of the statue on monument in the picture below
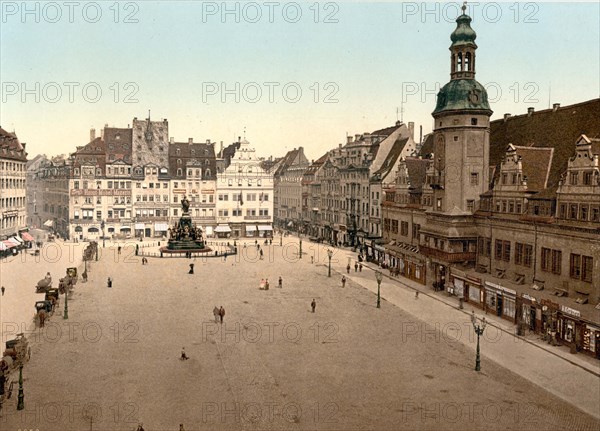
(185, 204)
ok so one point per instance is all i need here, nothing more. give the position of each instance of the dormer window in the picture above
(574, 178)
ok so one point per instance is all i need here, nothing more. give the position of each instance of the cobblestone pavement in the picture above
(273, 364)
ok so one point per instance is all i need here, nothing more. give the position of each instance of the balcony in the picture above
(448, 256)
(257, 217)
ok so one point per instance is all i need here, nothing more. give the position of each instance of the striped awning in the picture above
(250, 228)
(139, 225)
(48, 223)
(8, 244)
(14, 241)
(27, 237)
(161, 227)
(263, 228)
(223, 228)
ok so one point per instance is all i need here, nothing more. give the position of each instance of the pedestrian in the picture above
(261, 254)
(313, 305)
(3, 289)
(267, 284)
(270, 242)
(416, 294)
(119, 249)
(83, 275)
(109, 282)
(343, 281)
(183, 355)
(191, 271)
(221, 313)
(360, 267)
(348, 268)
(181, 427)
(355, 266)
(216, 313)
(312, 259)
(280, 283)
(225, 257)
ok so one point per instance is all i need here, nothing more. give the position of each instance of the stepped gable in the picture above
(551, 128)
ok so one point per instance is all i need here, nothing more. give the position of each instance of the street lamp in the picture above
(281, 239)
(66, 314)
(479, 328)
(21, 403)
(329, 254)
(300, 248)
(103, 236)
(378, 277)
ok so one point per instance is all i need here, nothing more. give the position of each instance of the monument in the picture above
(185, 236)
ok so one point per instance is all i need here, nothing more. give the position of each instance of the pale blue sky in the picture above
(376, 55)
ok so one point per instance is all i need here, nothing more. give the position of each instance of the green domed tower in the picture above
(461, 128)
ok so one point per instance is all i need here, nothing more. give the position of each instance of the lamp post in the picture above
(281, 239)
(20, 402)
(378, 277)
(329, 254)
(66, 313)
(103, 236)
(479, 328)
(300, 248)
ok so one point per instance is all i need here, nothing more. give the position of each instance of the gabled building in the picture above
(287, 178)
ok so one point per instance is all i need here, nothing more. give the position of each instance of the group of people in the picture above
(219, 313)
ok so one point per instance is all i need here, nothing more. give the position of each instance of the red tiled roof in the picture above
(536, 164)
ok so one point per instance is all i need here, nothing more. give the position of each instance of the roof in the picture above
(10, 147)
(536, 164)
(551, 128)
(417, 172)
(118, 143)
(427, 146)
(392, 157)
(461, 95)
(293, 157)
(188, 153)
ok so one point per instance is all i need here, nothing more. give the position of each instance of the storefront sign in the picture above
(502, 289)
(526, 296)
(570, 311)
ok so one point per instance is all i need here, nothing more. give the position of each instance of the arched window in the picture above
(459, 66)
(178, 160)
(468, 62)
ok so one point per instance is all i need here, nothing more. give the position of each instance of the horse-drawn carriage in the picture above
(44, 284)
(6, 383)
(18, 350)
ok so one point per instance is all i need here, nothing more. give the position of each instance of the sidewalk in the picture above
(569, 376)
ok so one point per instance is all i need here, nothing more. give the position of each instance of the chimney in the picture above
(411, 130)
(555, 107)
(340, 146)
(348, 139)
(356, 138)
(190, 140)
(208, 141)
(171, 140)
(530, 111)
(92, 134)
(421, 134)
(101, 133)
(506, 117)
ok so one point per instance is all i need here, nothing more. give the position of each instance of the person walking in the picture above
(416, 294)
(3, 289)
(183, 355)
(360, 267)
(280, 282)
(83, 275)
(109, 282)
(119, 249)
(261, 254)
(348, 268)
(313, 305)
(225, 257)
(343, 281)
(191, 271)
(312, 259)
(355, 266)
(216, 313)
(221, 313)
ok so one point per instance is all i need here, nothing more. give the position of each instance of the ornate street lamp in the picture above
(479, 328)
(20, 402)
(329, 254)
(378, 277)
(103, 236)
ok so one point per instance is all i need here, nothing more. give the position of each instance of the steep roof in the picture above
(551, 128)
(536, 164)
(417, 173)
(427, 147)
(392, 157)
(10, 147)
(188, 153)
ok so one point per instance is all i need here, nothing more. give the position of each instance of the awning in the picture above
(78, 229)
(161, 227)
(3, 246)
(48, 223)
(290, 224)
(18, 239)
(13, 241)
(93, 229)
(8, 244)
(139, 226)
(125, 228)
(223, 228)
(27, 237)
(263, 228)
(250, 228)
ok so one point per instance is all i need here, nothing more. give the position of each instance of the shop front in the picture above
(500, 301)
(591, 340)
(466, 287)
(529, 313)
(569, 329)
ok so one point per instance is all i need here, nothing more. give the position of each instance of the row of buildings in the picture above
(503, 214)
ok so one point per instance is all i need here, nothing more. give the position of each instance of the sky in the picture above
(282, 74)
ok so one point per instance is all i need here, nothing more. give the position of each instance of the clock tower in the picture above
(461, 129)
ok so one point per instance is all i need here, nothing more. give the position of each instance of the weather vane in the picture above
(464, 6)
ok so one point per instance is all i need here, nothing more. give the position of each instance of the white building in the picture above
(244, 196)
(13, 174)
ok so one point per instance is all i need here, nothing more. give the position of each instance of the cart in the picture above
(18, 350)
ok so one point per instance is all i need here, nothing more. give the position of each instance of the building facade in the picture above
(13, 185)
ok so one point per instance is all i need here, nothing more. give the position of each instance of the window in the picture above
(506, 251)
(403, 227)
(573, 211)
(498, 250)
(595, 214)
(587, 178)
(76, 185)
(470, 205)
(474, 178)
(511, 207)
(504, 178)
(583, 212)
(575, 266)
(527, 255)
(573, 178)
(473, 121)
(518, 253)
(562, 211)
(551, 260)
